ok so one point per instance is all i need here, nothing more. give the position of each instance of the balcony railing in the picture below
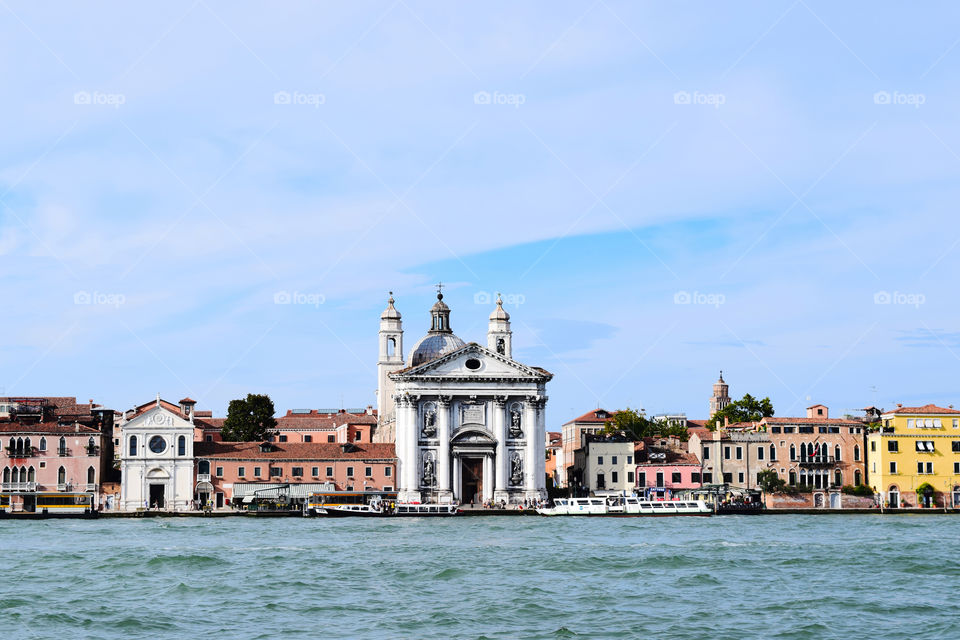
(203, 477)
(25, 452)
(92, 451)
(63, 452)
(91, 486)
(813, 461)
(19, 486)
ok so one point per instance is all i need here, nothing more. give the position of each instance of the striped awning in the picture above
(275, 490)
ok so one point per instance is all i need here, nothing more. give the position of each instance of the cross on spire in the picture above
(440, 290)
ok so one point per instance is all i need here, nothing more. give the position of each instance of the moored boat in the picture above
(380, 509)
(625, 506)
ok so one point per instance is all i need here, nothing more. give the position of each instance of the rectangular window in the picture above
(909, 423)
(599, 459)
(613, 460)
(307, 438)
(893, 446)
(956, 423)
(642, 479)
(349, 472)
(873, 445)
(695, 478)
(675, 478)
(331, 438)
(956, 468)
(358, 436)
(296, 472)
(388, 471)
(614, 476)
(956, 446)
(629, 459)
(276, 472)
(706, 453)
(760, 452)
(728, 478)
(925, 467)
(774, 429)
(821, 429)
(315, 472)
(788, 429)
(256, 472)
(925, 445)
(219, 472)
(893, 467)
(805, 430)
(726, 453)
(329, 472)
(282, 438)
(368, 472)
(740, 477)
(241, 471)
(739, 453)
(629, 477)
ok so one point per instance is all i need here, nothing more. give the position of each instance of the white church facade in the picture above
(468, 420)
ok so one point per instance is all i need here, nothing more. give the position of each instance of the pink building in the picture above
(53, 444)
(303, 425)
(663, 467)
(222, 468)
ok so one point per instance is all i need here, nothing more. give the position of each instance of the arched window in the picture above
(43, 444)
(6, 475)
(133, 445)
(838, 477)
(856, 453)
(793, 478)
(13, 445)
(391, 346)
(91, 475)
(203, 467)
(793, 453)
(601, 481)
(63, 446)
(19, 445)
(27, 447)
(61, 476)
(857, 479)
(91, 444)
(836, 453)
(181, 446)
(16, 476)
(31, 475)
(773, 452)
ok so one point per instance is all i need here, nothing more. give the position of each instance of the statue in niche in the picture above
(429, 424)
(501, 346)
(515, 421)
(429, 474)
(516, 470)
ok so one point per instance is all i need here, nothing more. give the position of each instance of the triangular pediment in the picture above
(157, 418)
(474, 361)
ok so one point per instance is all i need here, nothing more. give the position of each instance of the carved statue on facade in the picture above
(429, 474)
(501, 346)
(429, 424)
(516, 470)
(515, 421)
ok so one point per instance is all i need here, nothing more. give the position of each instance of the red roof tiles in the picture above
(295, 451)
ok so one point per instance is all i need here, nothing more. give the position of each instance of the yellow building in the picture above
(914, 458)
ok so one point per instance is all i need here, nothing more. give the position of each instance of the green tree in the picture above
(770, 482)
(633, 424)
(747, 409)
(249, 420)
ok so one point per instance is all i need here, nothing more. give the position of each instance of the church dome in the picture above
(434, 345)
(499, 313)
(390, 313)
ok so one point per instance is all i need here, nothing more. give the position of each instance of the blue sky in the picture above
(664, 190)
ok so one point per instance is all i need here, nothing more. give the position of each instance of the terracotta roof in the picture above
(591, 416)
(814, 406)
(927, 408)
(294, 451)
(45, 427)
(804, 420)
(188, 400)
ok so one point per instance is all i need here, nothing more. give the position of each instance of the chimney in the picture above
(726, 421)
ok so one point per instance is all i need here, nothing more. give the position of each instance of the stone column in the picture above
(502, 460)
(541, 450)
(529, 450)
(400, 440)
(413, 445)
(456, 479)
(443, 451)
(488, 474)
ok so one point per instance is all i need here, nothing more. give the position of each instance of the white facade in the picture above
(156, 458)
(470, 422)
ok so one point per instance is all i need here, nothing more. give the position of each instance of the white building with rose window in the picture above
(468, 420)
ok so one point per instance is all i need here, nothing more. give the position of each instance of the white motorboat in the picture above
(625, 506)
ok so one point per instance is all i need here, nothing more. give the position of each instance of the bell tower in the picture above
(499, 335)
(721, 395)
(390, 360)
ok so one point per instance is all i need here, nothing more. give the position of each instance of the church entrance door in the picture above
(471, 479)
(156, 496)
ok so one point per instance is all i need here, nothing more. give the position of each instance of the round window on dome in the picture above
(473, 364)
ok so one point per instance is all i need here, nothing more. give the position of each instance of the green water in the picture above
(499, 577)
